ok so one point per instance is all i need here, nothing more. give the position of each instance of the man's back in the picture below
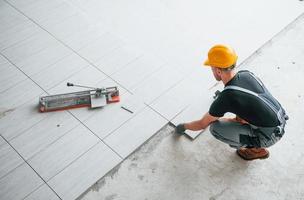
(246, 106)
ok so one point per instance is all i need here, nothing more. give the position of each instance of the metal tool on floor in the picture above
(93, 98)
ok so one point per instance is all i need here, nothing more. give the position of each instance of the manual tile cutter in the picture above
(94, 98)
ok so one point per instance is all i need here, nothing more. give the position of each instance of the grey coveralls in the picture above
(239, 135)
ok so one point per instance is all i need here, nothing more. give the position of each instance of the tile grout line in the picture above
(95, 135)
(31, 167)
(64, 44)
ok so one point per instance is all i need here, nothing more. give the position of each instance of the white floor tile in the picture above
(63, 152)
(14, 122)
(111, 117)
(19, 94)
(117, 59)
(84, 172)
(181, 95)
(60, 71)
(10, 75)
(19, 183)
(44, 133)
(43, 59)
(42, 193)
(136, 72)
(95, 50)
(40, 10)
(17, 34)
(28, 47)
(87, 76)
(135, 132)
(9, 17)
(9, 158)
(158, 83)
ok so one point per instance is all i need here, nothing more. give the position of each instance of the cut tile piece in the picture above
(98, 48)
(10, 75)
(113, 116)
(19, 94)
(135, 72)
(158, 83)
(19, 183)
(63, 152)
(84, 172)
(193, 134)
(117, 59)
(42, 193)
(61, 70)
(15, 121)
(135, 132)
(44, 133)
(9, 158)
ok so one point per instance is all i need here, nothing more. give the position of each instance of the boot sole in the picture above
(245, 158)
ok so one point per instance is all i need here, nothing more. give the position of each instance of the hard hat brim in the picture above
(207, 63)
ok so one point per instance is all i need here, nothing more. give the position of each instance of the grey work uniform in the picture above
(247, 97)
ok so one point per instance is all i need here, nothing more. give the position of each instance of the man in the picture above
(260, 119)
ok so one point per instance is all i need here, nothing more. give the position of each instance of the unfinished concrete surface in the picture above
(170, 166)
(152, 50)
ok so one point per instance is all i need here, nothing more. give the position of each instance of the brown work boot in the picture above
(253, 153)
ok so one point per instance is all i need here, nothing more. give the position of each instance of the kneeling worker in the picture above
(260, 119)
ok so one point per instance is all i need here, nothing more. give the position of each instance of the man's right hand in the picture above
(180, 129)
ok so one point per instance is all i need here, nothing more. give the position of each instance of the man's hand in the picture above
(180, 129)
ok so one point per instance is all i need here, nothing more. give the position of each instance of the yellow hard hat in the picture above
(221, 56)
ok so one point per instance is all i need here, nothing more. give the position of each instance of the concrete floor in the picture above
(169, 166)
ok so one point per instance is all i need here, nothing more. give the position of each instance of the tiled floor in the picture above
(149, 50)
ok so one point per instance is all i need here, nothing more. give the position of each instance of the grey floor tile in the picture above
(58, 72)
(113, 116)
(42, 193)
(117, 59)
(135, 132)
(14, 122)
(136, 72)
(63, 152)
(17, 34)
(10, 75)
(84, 172)
(44, 133)
(158, 83)
(95, 50)
(9, 158)
(19, 94)
(19, 183)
